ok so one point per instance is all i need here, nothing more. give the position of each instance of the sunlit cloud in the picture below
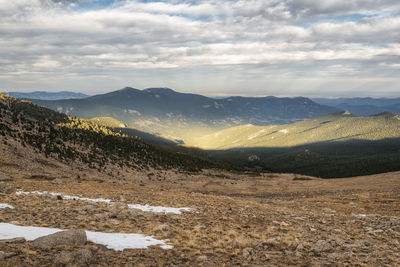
(204, 46)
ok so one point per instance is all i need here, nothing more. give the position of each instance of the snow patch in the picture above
(217, 106)
(256, 134)
(158, 209)
(146, 208)
(5, 205)
(284, 131)
(116, 241)
(206, 106)
(64, 196)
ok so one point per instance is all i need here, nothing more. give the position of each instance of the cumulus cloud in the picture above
(98, 44)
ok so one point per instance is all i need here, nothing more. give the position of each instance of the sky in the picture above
(330, 48)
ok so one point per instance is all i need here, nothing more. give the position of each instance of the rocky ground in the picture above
(236, 219)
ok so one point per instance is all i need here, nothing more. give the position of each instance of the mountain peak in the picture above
(127, 88)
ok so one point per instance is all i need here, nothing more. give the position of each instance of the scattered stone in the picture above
(56, 181)
(14, 240)
(329, 210)
(247, 252)
(67, 238)
(83, 257)
(88, 208)
(2, 255)
(283, 224)
(7, 188)
(272, 241)
(114, 222)
(63, 258)
(4, 177)
(163, 228)
(202, 258)
(321, 246)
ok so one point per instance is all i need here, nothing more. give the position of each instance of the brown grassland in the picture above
(236, 219)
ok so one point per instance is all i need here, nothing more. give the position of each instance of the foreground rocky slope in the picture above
(235, 220)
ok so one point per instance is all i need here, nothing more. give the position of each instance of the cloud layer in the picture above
(260, 47)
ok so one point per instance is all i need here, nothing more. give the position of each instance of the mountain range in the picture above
(362, 106)
(175, 115)
(269, 134)
(43, 95)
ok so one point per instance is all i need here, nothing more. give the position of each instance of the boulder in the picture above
(66, 238)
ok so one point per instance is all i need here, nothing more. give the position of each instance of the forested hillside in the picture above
(75, 140)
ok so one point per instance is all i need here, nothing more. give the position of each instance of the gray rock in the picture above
(88, 208)
(64, 258)
(67, 238)
(14, 240)
(202, 258)
(4, 177)
(83, 257)
(7, 188)
(2, 255)
(321, 246)
(56, 181)
(163, 228)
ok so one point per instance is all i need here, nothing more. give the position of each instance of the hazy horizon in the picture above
(211, 95)
(217, 48)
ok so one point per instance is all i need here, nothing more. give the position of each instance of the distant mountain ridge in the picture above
(182, 115)
(362, 106)
(42, 95)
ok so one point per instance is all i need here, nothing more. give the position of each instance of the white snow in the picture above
(116, 241)
(284, 131)
(5, 205)
(156, 209)
(65, 196)
(257, 134)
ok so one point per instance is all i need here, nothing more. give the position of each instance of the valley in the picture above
(180, 116)
(189, 207)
